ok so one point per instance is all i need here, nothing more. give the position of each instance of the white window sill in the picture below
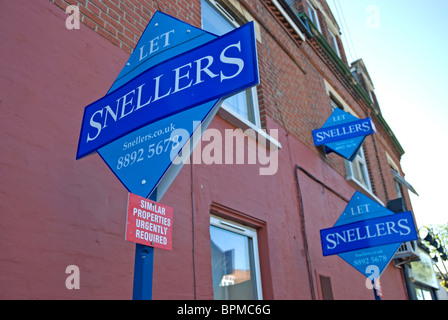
(234, 118)
(366, 191)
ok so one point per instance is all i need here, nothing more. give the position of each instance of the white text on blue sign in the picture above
(216, 69)
(343, 132)
(395, 228)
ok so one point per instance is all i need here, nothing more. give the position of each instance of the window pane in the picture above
(423, 294)
(334, 105)
(334, 43)
(419, 294)
(426, 294)
(214, 22)
(238, 103)
(313, 15)
(358, 171)
(241, 103)
(397, 187)
(232, 265)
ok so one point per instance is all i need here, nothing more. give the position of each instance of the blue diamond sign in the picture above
(171, 87)
(343, 134)
(367, 234)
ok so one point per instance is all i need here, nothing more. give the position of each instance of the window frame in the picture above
(423, 293)
(249, 232)
(360, 158)
(337, 101)
(251, 93)
(351, 177)
(398, 189)
(312, 12)
(334, 42)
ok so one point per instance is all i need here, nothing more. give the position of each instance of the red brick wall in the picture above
(123, 21)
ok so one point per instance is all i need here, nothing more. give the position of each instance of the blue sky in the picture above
(404, 44)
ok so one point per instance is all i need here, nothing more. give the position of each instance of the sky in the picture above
(404, 45)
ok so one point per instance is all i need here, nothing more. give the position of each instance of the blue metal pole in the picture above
(143, 272)
(375, 292)
(143, 268)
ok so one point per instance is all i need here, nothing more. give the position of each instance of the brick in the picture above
(92, 16)
(114, 23)
(61, 4)
(89, 23)
(99, 5)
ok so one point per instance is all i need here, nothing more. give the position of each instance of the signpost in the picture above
(367, 235)
(343, 134)
(171, 87)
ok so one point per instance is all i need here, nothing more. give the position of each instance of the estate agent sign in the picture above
(367, 234)
(175, 79)
(343, 134)
(171, 87)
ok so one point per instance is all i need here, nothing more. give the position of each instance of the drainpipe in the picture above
(304, 236)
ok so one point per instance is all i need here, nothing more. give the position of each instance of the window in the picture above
(398, 189)
(357, 170)
(335, 105)
(423, 294)
(235, 262)
(217, 20)
(312, 13)
(334, 43)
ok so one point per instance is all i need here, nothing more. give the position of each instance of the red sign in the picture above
(149, 223)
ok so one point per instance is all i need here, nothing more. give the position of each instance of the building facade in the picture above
(241, 229)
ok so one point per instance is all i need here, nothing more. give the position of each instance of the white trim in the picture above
(288, 18)
(370, 193)
(224, 12)
(237, 6)
(236, 119)
(328, 21)
(329, 89)
(253, 106)
(333, 38)
(392, 163)
(252, 95)
(351, 176)
(361, 158)
(248, 232)
(314, 7)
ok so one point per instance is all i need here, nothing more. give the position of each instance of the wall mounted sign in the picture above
(175, 79)
(395, 228)
(423, 270)
(367, 234)
(213, 70)
(343, 134)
